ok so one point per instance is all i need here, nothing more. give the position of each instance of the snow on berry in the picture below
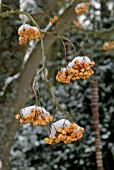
(64, 131)
(108, 45)
(27, 32)
(36, 115)
(79, 67)
(81, 8)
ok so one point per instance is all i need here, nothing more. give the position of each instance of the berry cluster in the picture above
(27, 32)
(55, 18)
(36, 115)
(81, 8)
(108, 45)
(65, 131)
(80, 67)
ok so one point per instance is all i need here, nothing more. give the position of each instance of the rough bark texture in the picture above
(17, 91)
(95, 111)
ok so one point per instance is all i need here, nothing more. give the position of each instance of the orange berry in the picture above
(36, 122)
(52, 20)
(37, 35)
(43, 123)
(32, 110)
(55, 18)
(73, 126)
(28, 116)
(74, 77)
(46, 140)
(39, 111)
(21, 121)
(74, 139)
(17, 116)
(50, 118)
(47, 119)
(81, 129)
(91, 64)
(79, 136)
(60, 136)
(67, 129)
(65, 141)
(59, 130)
(85, 73)
(72, 135)
(81, 74)
(71, 71)
(57, 140)
(82, 70)
(64, 137)
(59, 73)
(53, 137)
(69, 139)
(64, 132)
(33, 115)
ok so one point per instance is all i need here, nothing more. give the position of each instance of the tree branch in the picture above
(36, 56)
(21, 86)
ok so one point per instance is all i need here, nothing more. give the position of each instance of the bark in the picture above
(17, 91)
(95, 111)
(10, 62)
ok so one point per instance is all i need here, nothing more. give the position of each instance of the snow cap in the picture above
(27, 110)
(80, 5)
(60, 124)
(23, 26)
(82, 58)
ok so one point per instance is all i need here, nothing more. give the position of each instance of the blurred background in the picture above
(21, 145)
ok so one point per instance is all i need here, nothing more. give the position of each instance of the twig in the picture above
(64, 38)
(7, 6)
(61, 37)
(33, 88)
(65, 52)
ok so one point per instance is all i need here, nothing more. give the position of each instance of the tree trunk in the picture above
(10, 63)
(95, 111)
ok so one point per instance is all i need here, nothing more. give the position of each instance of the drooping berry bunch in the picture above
(108, 45)
(81, 8)
(80, 67)
(36, 115)
(27, 32)
(64, 131)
